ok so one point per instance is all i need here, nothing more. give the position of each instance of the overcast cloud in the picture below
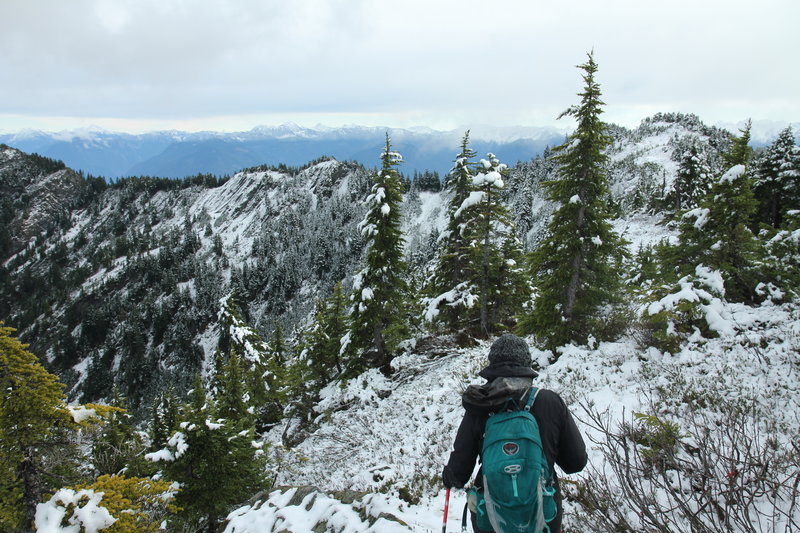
(137, 65)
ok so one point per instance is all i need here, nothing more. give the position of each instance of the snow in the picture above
(423, 217)
(380, 434)
(178, 441)
(80, 413)
(461, 296)
(700, 214)
(493, 178)
(733, 174)
(213, 425)
(87, 515)
(276, 514)
(642, 230)
(474, 198)
(160, 455)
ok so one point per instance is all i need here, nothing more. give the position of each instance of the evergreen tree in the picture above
(693, 177)
(324, 338)
(576, 268)
(236, 333)
(118, 447)
(716, 234)
(782, 259)
(378, 319)
(278, 344)
(262, 366)
(274, 380)
(32, 410)
(449, 286)
(164, 419)
(494, 250)
(740, 151)
(234, 398)
(777, 179)
(213, 459)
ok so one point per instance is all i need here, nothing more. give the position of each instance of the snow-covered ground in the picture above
(387, 439)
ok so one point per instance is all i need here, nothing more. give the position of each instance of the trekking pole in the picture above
(446, 508)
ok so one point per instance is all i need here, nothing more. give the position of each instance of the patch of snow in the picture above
(80, 413)
(87, 514)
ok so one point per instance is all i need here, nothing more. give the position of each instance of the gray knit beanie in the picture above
(510, 348)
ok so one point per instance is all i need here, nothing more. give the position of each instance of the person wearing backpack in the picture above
(504, 398)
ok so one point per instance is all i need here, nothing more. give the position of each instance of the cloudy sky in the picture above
(140, 65)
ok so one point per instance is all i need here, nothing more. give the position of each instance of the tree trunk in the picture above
(382, 358)
(485, 269)
(577, 267)
(31, 487)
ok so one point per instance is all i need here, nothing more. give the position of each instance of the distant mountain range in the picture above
(177, 154)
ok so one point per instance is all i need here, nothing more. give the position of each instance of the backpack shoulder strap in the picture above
(533, 392)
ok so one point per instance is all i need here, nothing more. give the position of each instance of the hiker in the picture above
(510, 375)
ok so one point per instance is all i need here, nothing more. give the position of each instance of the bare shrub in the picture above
(727, 468)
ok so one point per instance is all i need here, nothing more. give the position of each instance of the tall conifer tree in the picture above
(322, 351)
(450, 288)
(477, 280)
(32, 409)
(495, 252)
(576, 269)
(378, 320)
(693, 177)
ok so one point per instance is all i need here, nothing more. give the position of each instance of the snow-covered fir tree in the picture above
(478, 280)
(216, 460)
(378, 321)
(576, 268)
(262, 366)
(776, 179)
(693, 178)
(449, 291)
(324, 337)
(716, 234)
(494, 250)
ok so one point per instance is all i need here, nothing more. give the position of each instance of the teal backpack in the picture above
(517, 492)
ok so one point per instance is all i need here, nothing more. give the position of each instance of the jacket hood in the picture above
(494, 396)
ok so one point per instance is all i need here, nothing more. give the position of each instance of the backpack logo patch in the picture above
(513, 469)
(510, 448)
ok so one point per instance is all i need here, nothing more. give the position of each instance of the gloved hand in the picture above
(449, 479)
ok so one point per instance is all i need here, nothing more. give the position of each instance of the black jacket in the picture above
(561, 440)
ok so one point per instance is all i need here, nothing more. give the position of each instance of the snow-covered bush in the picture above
(691, 311)
(782, 257)
(112, 504)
